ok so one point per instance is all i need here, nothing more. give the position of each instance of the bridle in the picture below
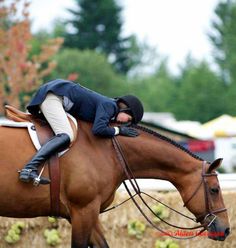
(209, 212)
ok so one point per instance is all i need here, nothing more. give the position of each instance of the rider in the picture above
(57, 97)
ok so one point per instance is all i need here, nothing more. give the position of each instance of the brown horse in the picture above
(91, 174)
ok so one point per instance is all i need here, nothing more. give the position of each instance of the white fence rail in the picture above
(227, 182)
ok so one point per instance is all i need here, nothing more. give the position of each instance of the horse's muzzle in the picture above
(218, 232)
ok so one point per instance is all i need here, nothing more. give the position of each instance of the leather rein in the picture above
(209, 212)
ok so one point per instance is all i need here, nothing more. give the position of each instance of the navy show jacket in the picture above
(80, 102)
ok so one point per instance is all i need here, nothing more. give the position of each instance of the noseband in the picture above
(209, 212)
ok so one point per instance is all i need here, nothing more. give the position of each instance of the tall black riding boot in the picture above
(56, 144)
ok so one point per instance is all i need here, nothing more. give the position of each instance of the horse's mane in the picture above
(162, 137)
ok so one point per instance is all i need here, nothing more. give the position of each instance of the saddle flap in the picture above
(16, 115)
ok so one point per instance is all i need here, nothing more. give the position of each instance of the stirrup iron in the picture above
(36, 180)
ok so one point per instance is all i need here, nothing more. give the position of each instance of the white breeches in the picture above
(53, 111)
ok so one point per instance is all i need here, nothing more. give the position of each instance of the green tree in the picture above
(156, 91)
(201, 94)
(230, 93)
(20, 73)
(223, 39)
(90, 69)
(42, 36)
(39, 38)
(97, 25)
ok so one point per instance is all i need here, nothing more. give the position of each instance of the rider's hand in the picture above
(128, 131)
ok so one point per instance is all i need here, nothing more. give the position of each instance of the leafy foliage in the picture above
(223, 38)
(52, 237)
(89, 68)
(19, 74)
(156, 91)
(160, 211)
(25, 63)
(199, 89)
(97, 25)
(168, 243)
(136, 228)
(13, 234)
(52, 234)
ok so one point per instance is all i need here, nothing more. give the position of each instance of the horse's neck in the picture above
(150, 157)
(147, 156)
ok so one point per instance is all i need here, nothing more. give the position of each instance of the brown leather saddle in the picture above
(44, 133)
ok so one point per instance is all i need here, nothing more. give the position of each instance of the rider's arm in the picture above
(104, 113)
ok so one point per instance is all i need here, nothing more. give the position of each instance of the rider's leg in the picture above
(53, 110)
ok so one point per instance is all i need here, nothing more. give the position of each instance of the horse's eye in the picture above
(214, 191)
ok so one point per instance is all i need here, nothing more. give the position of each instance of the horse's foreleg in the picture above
(82, 224)
(97, 239)
(83, 221)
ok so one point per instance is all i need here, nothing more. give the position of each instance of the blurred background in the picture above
(178, 57)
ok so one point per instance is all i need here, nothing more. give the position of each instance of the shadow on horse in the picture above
(91, 173)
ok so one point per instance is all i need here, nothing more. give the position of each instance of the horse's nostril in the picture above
(227, 231)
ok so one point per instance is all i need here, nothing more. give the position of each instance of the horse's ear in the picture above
(214, 165)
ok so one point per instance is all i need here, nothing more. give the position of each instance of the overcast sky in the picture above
(175, 27)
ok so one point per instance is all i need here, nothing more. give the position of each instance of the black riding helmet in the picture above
(135, 107)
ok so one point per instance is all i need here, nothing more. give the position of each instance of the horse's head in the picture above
(153, 155)
(207, 204)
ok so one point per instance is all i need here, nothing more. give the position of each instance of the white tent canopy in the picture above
(223, 126)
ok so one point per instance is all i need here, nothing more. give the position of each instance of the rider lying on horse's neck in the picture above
(56, 98)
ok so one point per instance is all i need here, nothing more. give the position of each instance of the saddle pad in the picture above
(32, 131)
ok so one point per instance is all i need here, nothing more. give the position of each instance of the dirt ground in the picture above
(115, 226)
